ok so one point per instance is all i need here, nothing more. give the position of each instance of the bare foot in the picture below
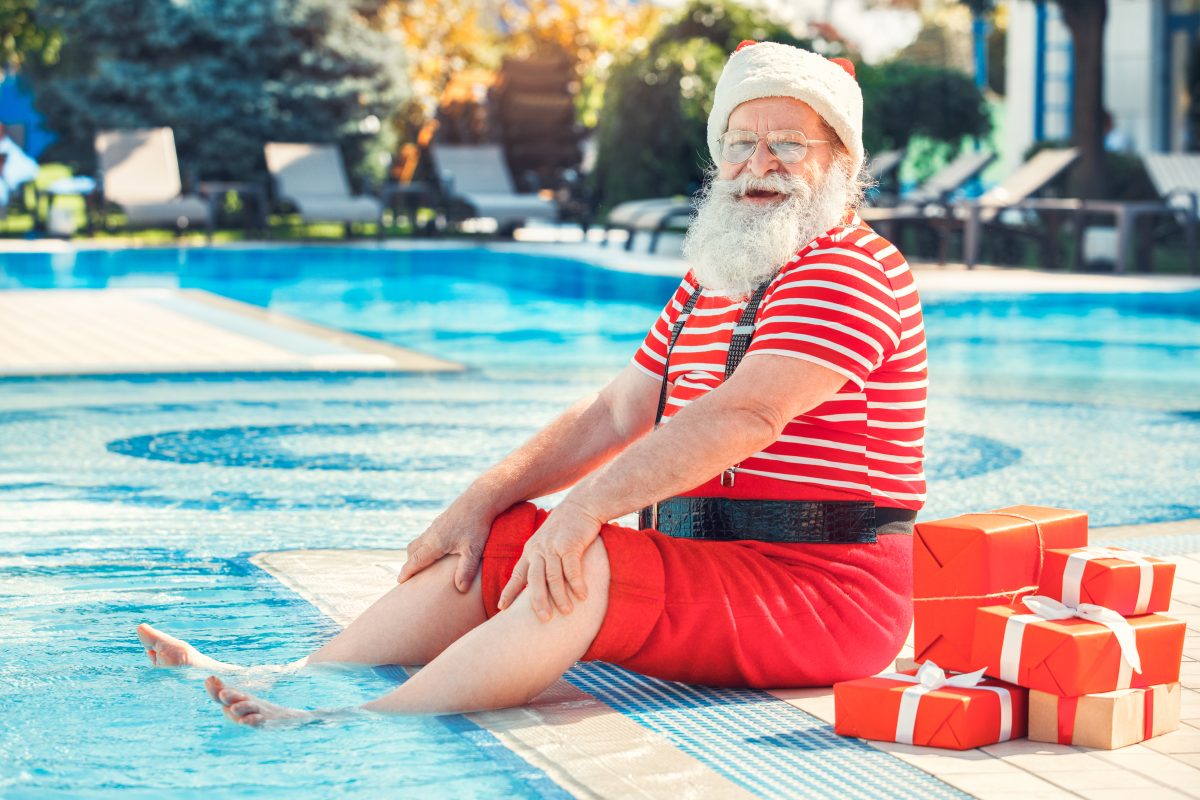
(246, 709)
(167, 651)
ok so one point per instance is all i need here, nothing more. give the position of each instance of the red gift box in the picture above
(1108, 720)
(944, 627)
(1072, 656)
(975, 560)
(923, 707)
(995, 551)
(1127, 582)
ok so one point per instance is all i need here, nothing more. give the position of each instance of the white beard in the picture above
(732, 246)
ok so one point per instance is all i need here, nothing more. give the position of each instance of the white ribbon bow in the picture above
(929, 678)
(1047, 608)
(1076, 563)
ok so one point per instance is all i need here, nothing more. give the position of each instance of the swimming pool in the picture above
(139, 497)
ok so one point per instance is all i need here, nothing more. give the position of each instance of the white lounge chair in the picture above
(311, 177)
(477, 176)
(1176, 178)
(139, 172)
(926, 203)
(652, 215)
(1016, 192)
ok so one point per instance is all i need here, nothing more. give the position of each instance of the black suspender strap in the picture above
(743, 332)
(680, 321)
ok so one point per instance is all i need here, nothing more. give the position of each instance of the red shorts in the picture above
(735, 613)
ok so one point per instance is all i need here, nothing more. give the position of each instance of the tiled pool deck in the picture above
(585, 739)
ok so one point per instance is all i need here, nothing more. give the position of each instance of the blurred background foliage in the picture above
(228, 75)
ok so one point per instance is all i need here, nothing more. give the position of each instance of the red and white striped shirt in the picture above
(847, 302)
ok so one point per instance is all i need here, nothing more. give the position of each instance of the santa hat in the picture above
(769, 69)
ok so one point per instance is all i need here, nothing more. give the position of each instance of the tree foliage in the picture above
(589, 33)
(227, 76)
(903, 100)
(23, 33)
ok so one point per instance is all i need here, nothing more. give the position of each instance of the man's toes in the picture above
(229, 696)
(213, 685)
(244, 708)
(254, 720)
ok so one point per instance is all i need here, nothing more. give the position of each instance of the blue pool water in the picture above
(138, 498)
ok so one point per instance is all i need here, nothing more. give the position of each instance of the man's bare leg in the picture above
(506, 661)
(410, 624)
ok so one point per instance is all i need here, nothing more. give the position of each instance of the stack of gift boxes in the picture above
(1048, 636)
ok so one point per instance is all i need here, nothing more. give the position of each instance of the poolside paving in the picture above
(341, 583)
(147, 331)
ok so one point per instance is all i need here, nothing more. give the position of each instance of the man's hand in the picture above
(551, 564)
(462, 530)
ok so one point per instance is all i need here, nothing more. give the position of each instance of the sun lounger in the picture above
(311, 178)
(1016, 192)
(928, 202)
(139, 173)
(477, 176)
(653, 216)
(1176, 177)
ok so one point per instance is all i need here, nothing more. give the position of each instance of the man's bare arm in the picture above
(741, 417)
(581, 439)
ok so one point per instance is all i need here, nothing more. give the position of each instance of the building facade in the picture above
(1150, 48)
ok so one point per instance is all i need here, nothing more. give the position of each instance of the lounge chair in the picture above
(1016, 193)
(1176, 177)
(311, 178)
(652, 215)
(476, 176)
(928, 203)
(139, 173)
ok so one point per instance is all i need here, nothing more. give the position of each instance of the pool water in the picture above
(136, 498)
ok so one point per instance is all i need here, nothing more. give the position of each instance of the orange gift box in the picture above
(1127, 582)
(1070, 657)
(991, 552)
(1107, 720)
(944, 627)
(890, 709)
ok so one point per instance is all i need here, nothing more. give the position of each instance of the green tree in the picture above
(23, 33)
(902, 100)
(227, 76)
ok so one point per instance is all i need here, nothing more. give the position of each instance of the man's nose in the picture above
(763, 161)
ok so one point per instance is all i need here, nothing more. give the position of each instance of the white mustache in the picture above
(772, 182)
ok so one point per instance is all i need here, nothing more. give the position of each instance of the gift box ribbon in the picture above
(1077, 562)
(929, 678)
(1037, 529)
(1047, 608)
(1067, 706)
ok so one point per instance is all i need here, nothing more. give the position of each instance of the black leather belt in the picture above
(724, 519)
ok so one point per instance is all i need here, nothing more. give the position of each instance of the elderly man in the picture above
(775, 505)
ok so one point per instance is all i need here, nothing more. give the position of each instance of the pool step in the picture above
(179, 331)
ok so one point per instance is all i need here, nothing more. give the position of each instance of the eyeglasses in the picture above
(788, 146)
